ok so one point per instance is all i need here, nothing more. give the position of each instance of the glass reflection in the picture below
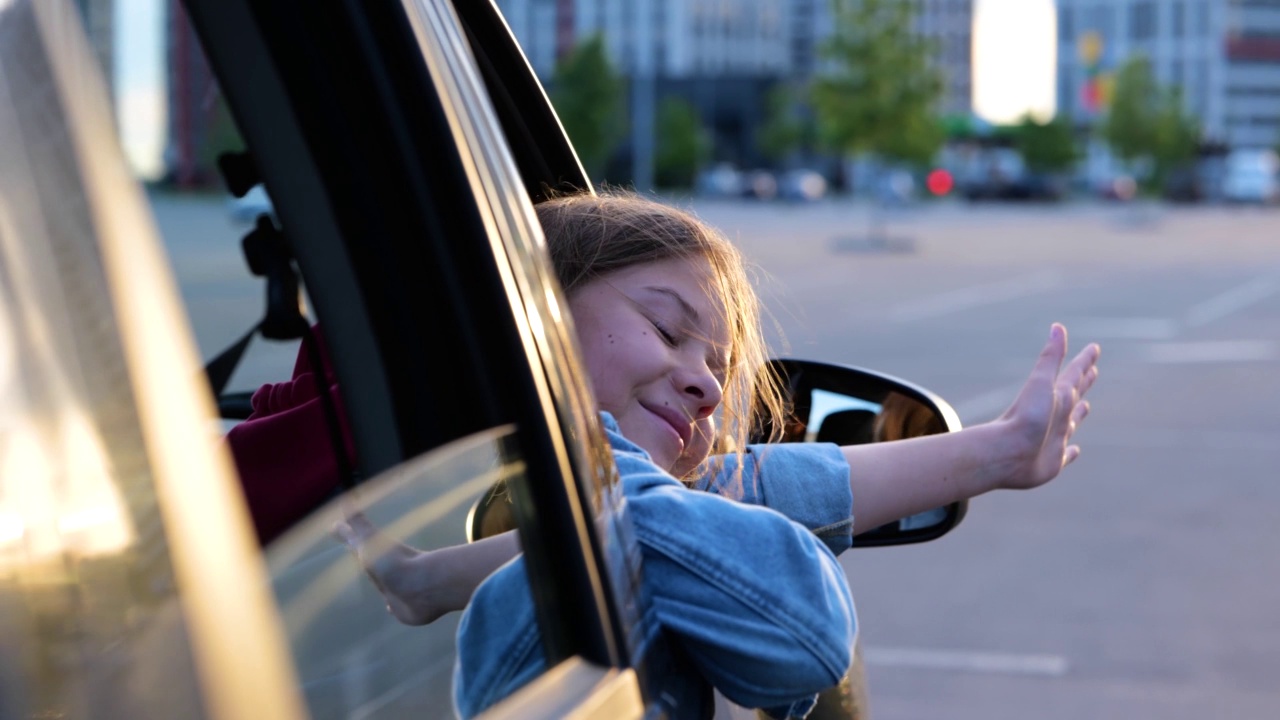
(847, 420)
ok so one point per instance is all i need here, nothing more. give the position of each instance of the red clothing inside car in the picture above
(283, 452)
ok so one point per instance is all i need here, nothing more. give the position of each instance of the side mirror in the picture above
(850, 406)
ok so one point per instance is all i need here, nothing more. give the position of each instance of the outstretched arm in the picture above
(422, 585)
(1024, 448)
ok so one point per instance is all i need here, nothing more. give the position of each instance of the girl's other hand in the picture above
(402, 574)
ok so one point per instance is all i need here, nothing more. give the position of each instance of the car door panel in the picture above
(465, 242)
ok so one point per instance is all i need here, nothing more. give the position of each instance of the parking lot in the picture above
(1145, 582)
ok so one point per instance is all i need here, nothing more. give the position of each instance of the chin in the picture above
(660, 457)
(662, 460)
(654, 443)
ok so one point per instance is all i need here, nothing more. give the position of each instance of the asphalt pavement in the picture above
(1143, 583)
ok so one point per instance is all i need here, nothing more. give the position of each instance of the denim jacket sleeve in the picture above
(757, 601)
(807, 482)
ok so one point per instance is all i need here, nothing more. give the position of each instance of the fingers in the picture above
(1054, 351)
(1081, 366)
(1087, 379)
(1044, 373)
(345, 534)
(361, 536)
(1079, 413)
(1070, 455)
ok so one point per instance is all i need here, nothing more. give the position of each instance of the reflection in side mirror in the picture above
(852, 406)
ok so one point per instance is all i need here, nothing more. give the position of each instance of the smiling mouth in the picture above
(683, 432)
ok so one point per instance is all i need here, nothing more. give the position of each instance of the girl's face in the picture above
(656, 347)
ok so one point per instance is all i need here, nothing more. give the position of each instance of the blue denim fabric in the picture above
(756, 603)
(807, 482)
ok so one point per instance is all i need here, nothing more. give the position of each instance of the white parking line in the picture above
(977, 296)
(982, 662)
(1231, 301)
(1122, 328)
(1190, 441)
(1219, 351)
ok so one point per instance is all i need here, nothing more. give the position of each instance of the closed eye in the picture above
(667, 336)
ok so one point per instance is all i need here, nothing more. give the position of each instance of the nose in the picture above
(703, 389)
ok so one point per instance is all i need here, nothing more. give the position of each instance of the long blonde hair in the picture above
(590, 236)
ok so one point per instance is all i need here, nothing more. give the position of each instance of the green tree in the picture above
(1177, 136)
(587, 94)
(1046, 147)
(683, 144)
(784, 129)
(1131, 117)
(880, 90)
(1147, 123)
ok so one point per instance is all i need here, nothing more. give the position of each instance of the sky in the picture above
(1015, 59)
(140, 83)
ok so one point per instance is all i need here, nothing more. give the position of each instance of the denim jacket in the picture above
(733, 595)
(807, 482)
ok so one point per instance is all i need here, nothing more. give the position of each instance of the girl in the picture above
(669, 329)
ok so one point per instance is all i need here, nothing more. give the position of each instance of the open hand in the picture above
(401, 573)
(1048, 409)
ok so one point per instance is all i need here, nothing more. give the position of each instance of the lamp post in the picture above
(643, 102)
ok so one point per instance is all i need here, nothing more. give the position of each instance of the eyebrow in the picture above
(721, 364)
(685, 307)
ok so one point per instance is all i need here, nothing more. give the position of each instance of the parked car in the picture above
(1184, 185)
(759, 185)
(403, 146)
(802, 186)
(1251, 177)
(720, 181)
(1002, 174)
(1122, 187)
(1027, 186)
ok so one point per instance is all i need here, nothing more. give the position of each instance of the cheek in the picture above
(609, 368)
(620, 359)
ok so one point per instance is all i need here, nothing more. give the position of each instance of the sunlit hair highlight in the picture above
(591, 236)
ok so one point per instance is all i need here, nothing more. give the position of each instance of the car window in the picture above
(202, 230)
(353, 658)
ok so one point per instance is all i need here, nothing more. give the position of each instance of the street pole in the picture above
(643, 90)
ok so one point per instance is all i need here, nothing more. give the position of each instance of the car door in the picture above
(131, 585)
(402, 206)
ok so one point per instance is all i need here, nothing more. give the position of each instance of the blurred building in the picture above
(948, 23)
(99, 24)
(193, 97)
(544, 29)
(681, 38)
(723, 56)
(720, 56)
(1223, 55)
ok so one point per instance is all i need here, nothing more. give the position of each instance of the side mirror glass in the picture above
(851, 406)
